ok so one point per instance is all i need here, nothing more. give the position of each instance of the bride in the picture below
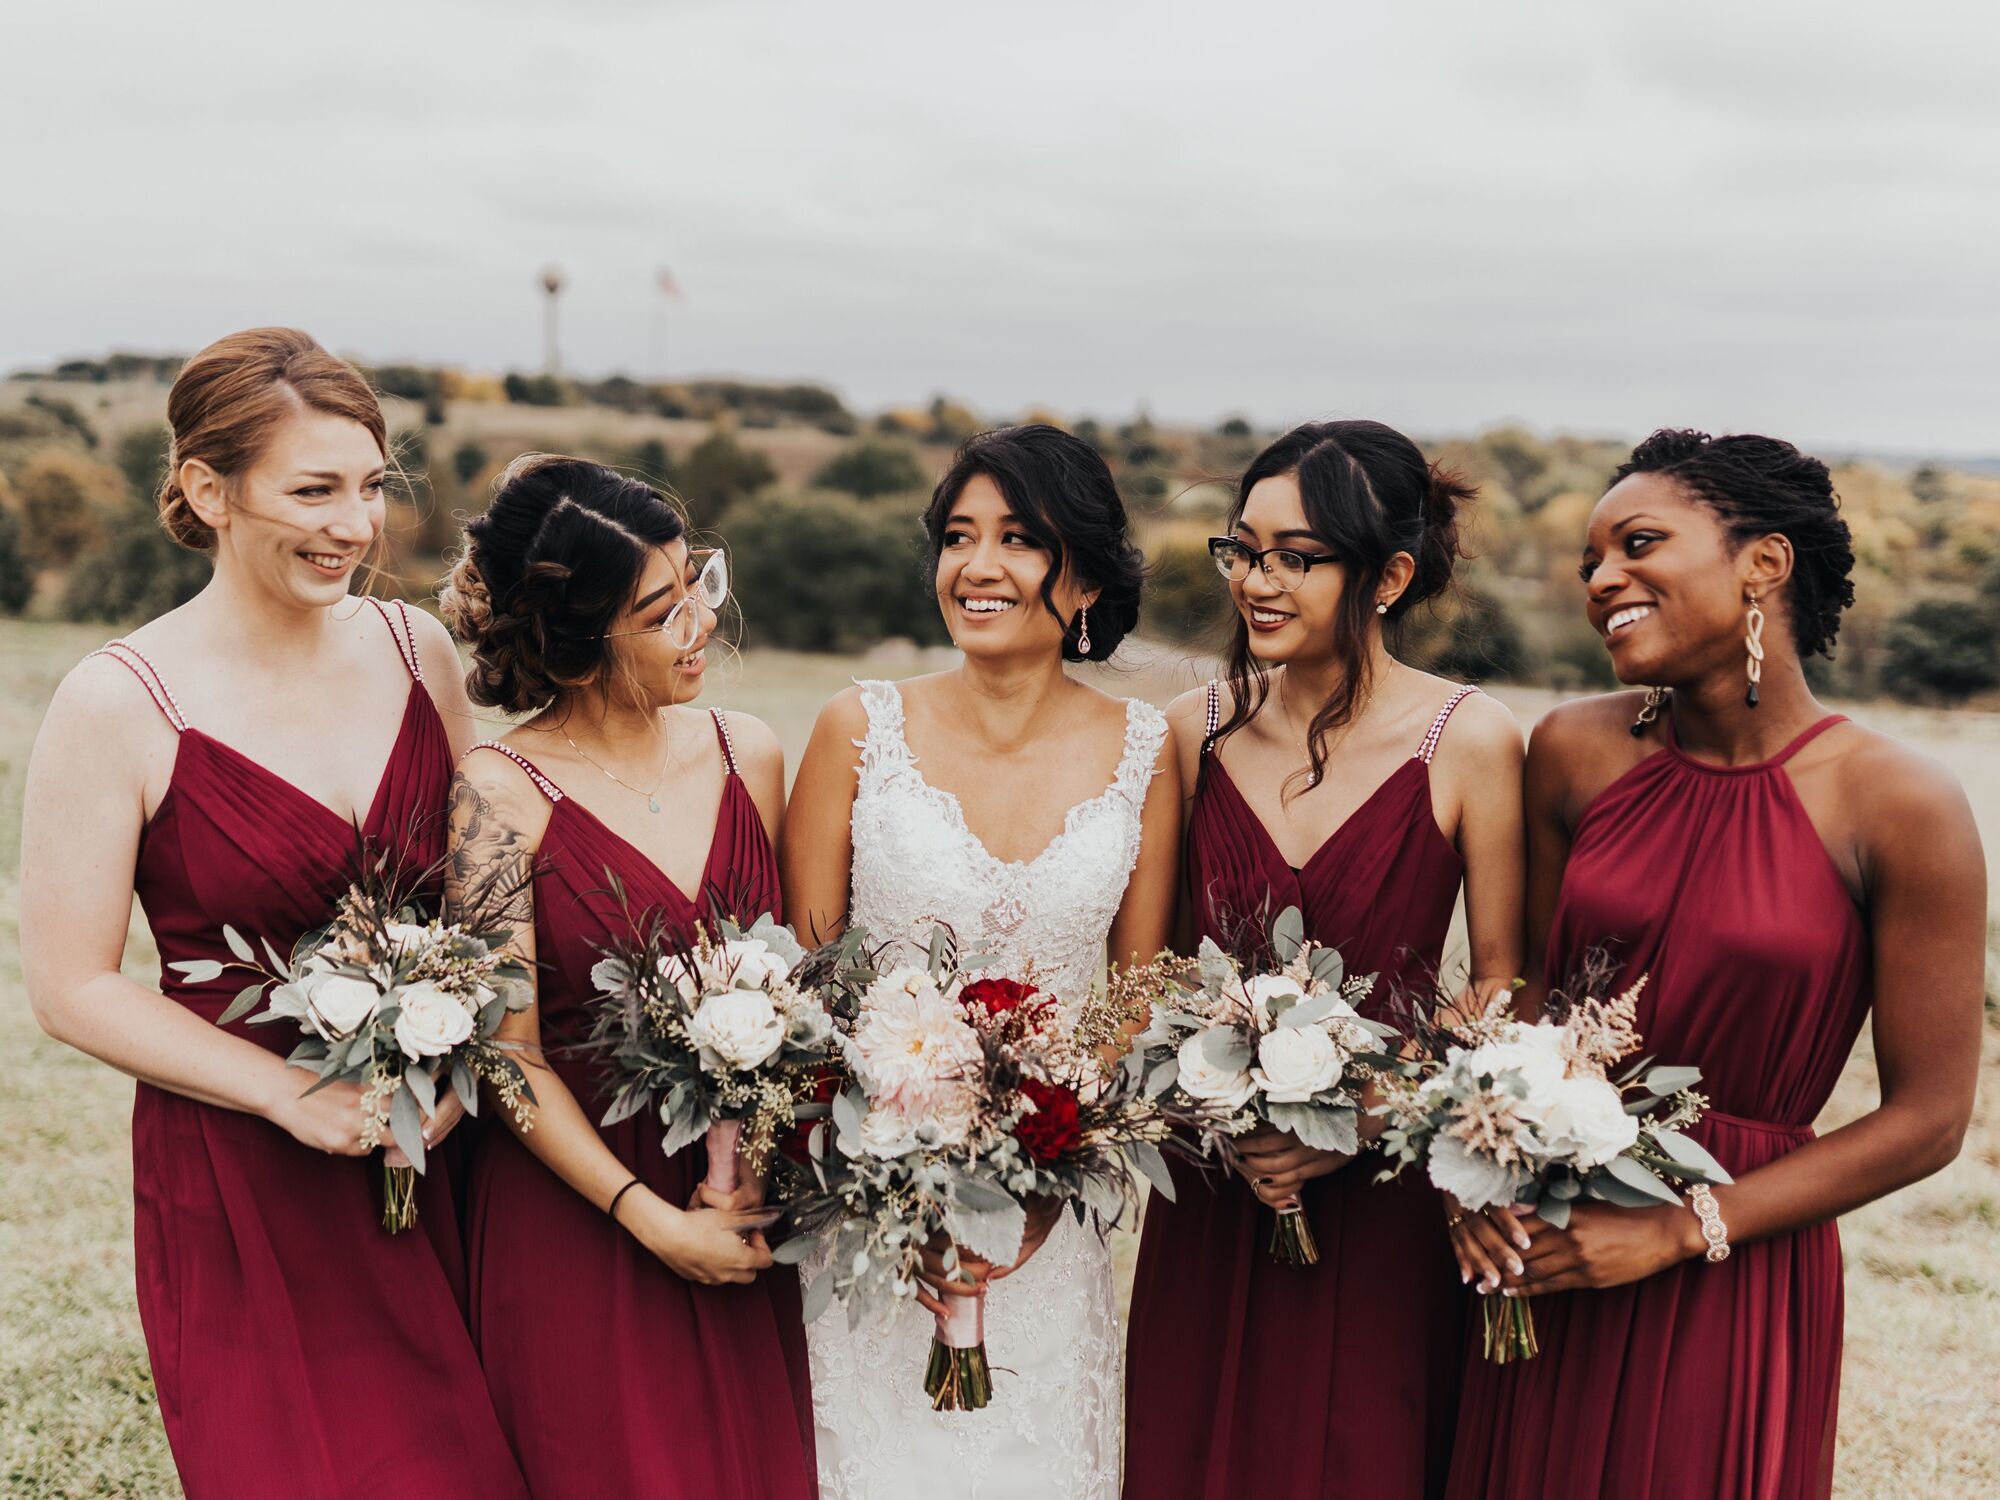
(1039, 819)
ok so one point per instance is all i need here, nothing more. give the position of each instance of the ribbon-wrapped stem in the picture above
(958, 1377)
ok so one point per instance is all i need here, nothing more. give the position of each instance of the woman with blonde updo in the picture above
(636, 1342)
(218, 761)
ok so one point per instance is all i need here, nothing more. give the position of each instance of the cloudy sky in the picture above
(1587, 216)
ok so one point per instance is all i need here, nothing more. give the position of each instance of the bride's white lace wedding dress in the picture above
(1053, 1428)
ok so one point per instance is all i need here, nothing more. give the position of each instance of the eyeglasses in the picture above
(1285, 568)
(682, 624)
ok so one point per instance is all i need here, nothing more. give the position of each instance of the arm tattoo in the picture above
(488, 873)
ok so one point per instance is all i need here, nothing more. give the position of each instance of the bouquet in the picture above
(398, 1002)
(1285, 1048)
(714, 1032)
(1504, 1111)
(958, 1099)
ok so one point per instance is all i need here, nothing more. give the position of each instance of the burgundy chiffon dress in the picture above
(1338, 1381)
(613, 1375)
(1703, 1382)
(298, 1348)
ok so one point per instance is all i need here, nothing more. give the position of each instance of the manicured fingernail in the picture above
(1514, 1266)
(1510, 1292)
(1464, 1277)
(1492, 1280)
(1522, 1240)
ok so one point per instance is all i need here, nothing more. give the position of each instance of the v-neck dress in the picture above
(613, 1375)
(297, 1347)
(1337, 1381)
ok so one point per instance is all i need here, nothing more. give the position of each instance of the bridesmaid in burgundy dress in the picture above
(632, 1346)
(1776, 871)
(298, 1349)
(1330, 777)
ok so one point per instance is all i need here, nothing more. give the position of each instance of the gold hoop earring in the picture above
(1753, 645)
(1649, 710)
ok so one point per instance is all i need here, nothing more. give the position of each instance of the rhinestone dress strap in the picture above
(1436, 731)
(404, 632)
(549, 789)
(1212, 720)
(134, 661)
(728, 745)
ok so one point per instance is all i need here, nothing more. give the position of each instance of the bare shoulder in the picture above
(435, 647)
(844, 716)
(1896, 789)
(755, 743)
(1583, 725)
(1484, 727)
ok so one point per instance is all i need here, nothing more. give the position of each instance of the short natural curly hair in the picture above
(1763, 486)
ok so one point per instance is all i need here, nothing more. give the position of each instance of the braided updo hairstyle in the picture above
(1061, 491)
(546, 572)
(1370, 493)
(1763, 486)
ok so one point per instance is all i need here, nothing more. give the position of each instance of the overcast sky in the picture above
(1590, 216)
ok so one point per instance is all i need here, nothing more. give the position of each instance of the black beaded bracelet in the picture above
(611, 1209)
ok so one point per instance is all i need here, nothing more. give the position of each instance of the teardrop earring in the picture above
(1083, 631)
(1753, 645)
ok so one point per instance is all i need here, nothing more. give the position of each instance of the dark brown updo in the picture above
(546, 571)
(229, 399)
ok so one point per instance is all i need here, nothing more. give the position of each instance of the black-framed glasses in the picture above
(1284, 567)
(683, 623)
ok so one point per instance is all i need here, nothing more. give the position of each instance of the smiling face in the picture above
(301, 518)
(658, 670)
(989, 579)
(1667, 583)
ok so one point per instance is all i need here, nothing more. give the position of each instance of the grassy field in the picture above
(77, 1409)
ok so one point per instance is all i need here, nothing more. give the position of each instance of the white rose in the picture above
(750, 962)
(1532, 1057)
(742, 1027)
(682, 976)
(1295, 1063)
(431, 1022)
(1587, 1116)
(1265, 988)
(407, 937)
(341, 1004)
(1229, 1089)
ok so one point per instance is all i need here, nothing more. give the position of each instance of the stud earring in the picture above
(1381, 608)
(1753, 646)
(1649, 711)
(1083, 631)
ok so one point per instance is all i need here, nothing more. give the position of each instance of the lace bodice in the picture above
(917, 863)
(1054, 1427)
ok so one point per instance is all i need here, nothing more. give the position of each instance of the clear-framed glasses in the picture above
(1284, 567)
(683, 622)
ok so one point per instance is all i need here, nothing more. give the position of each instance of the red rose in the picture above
(1052, 1130)
(999, 996)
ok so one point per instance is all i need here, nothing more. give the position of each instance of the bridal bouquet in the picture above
(959, 1099)
(716, 1033)
(1285, 1048)
(398, 1002)
(1502, 1111)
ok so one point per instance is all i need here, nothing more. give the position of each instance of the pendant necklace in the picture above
(1285, 708)
(652, 797)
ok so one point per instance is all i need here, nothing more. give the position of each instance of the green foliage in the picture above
(17, 580)
(1942, 648)
(66, 416)
(1234, 427)
(830, 573)
(138, 573)
(65, 501)
(718, 472)
(871, 468)
(141, 454)
(1186, 600)
(951, 422)
(1476, 640)
(534, 390)
(653, 462)
(468, 462)
(410, 382)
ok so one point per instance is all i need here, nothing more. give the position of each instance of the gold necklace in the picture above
(1285, 708)
(652, 797)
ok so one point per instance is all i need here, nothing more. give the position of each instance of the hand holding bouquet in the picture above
(715, 1033)
(1286, 1049)
(1502, 1111)
(963, 1099)
(396, 1002)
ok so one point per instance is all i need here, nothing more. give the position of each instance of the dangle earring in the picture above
(1083, 631)
(1649, 711)
(1753, 645)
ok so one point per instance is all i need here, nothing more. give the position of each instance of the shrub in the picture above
(1186, 600)
(828, 573)
(17, 580)
(137, 574)
(718, 472)
(468, 461)
(1942, 648)
(65, 503)
(533, 390)
(869, 469)
(141, 455)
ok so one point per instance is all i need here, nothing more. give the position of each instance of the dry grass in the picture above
(77, 1410)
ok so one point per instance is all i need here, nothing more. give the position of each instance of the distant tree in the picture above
(1185, 599)
(66, 416)
(434, 407)
(871, 468)
(1928, 484)
(718, 472)
(533, 390)
(952, 423)
(653, 462)
(65, 501)
(1480, 640)
(17, 579)
(1519, 456)
(468, 461)
(410, 382)
(1089, 430)
(138, 573)
(141, 455)
(1942, 648)
(1235, 427)
(831, 573)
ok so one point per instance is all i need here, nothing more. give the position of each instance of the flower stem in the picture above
(1292, 1242)
(1510, 1329)
(399, 1198)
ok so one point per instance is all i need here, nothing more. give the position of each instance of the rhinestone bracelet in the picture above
(1713, 1230)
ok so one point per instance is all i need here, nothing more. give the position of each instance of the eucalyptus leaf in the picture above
(818, 1296)
(1150, 1160)
(423, 1088)
(683, 1132)
(624, 1104)
(1288, 934)
(1690, 1155)
(1226, 1048)
(241, 1005)
(847, 1115)
(1671, 1080)
(980, 1196)
(1553, 1212)
(278, 964)
(238, 944)
(197, 970)
(794, 1250)
(465, 1086)
(1310, 1011)
(407, 1126)
(1328, 967)
(1162, 1078)
(1635, 1177)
